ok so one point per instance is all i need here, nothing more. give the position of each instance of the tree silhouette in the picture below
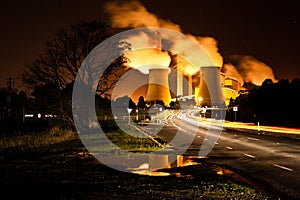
(141, 103)
(271, 103)
(51, 75)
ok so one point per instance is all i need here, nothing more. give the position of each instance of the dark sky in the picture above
(267, 30)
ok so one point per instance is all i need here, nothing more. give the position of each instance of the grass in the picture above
(55, 135)
(128, 138)
(54, 167)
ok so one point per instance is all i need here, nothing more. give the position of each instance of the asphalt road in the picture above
(273, 160)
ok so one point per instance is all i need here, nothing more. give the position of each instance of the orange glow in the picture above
(211, 47)
(249, 69)
(140, 59)
(134, 14)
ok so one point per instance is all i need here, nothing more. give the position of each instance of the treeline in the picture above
(269, 104)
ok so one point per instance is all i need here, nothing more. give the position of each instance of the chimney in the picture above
(210, 92)
(158, 88)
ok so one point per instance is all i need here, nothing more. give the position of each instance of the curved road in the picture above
(271, 159)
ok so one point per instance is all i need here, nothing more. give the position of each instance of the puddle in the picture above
(155, 164)
(223, 171)
(169, 165)
(147, 164)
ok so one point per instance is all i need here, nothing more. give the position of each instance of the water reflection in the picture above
(150, 164)
(162, 162)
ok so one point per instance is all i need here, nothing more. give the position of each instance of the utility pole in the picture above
(10, 85)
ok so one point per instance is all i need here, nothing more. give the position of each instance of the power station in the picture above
(212, 90)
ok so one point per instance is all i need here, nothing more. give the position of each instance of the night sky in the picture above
(267, 30)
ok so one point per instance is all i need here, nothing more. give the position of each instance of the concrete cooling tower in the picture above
(158, 88)
(210, 92)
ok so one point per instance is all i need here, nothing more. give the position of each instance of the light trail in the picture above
(251, 126)
(208, 122)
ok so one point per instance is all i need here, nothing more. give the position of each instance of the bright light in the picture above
(28, 115)
(129, 110)
(39, 115)
(200, 99)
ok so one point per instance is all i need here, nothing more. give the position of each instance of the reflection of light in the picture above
(220, 172)
(151, 173)
(28, 115)
(144, 166)
(39, 115)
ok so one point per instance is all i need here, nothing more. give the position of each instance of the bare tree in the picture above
(63, 56)
(58, 65)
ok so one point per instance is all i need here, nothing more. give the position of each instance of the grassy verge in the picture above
(54, 167)
(55, 135)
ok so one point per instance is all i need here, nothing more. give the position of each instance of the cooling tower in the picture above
(158, 88)
(210, 92)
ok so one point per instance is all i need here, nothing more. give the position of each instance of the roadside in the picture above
(65, 170)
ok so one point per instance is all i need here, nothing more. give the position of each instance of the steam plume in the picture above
(231, 72)
(133, 14)
(248, 69)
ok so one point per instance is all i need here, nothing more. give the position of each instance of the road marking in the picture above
(249, 155)
(228, 147)
(251, 138)
(283, 167)
(180, 128)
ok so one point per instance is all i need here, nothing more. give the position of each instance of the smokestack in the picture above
(158, 88)
(210, 91)
(190, 86)
(179, 85)
(157, 40)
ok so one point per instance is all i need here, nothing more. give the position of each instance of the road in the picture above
(274, 160)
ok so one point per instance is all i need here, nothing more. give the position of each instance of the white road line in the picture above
(179, 128)
(249, 155)
(228, 147)
(283, 167)
(251, 138)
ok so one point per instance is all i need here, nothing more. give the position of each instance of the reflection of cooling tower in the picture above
(210, 92)
(158, 88)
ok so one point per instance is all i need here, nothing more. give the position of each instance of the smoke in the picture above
(231, 72)
(133, 14)
(140, 59)
(211, 46)
(247, 69)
